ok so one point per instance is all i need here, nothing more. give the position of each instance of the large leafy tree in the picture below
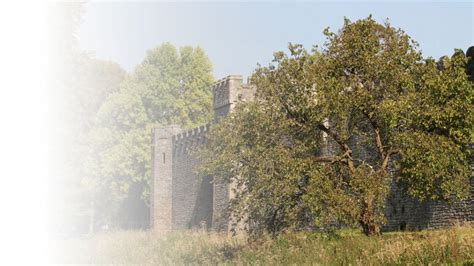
(332, 128)
(170, 86)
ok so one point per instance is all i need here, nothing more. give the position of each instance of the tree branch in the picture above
(331, 159)
(335, 137)
(325, 159)
(347, 150)
(387, 157)
(378, 138)
(378, 142)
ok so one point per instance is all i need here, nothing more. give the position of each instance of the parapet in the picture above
(190, 138)
(166, 131)
(223, 81)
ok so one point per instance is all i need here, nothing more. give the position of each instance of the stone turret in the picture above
(162, 180)
(227, 92)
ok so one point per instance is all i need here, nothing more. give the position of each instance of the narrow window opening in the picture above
(164, 157)
(403, 209)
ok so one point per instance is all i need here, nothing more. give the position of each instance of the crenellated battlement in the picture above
(225, 80)
(191, 133)
(189, 139)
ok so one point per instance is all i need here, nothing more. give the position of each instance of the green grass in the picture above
(450, 246)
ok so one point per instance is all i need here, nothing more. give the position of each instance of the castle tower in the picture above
(227, 92)
(162, 178)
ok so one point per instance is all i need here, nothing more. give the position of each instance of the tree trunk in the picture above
(370, 229)
(368, 220)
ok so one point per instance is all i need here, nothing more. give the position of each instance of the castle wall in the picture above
(192, 194)
(220, 204)
(405, 213)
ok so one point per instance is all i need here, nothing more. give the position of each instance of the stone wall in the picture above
(405, 213)
(192, 194)
(162, 181)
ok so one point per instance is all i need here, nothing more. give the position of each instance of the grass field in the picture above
(450, 246)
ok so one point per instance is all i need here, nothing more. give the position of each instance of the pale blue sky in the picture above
(238, 35)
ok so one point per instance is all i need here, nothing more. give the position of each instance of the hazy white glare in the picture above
(23, 113)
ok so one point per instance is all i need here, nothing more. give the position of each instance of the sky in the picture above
(238, 35)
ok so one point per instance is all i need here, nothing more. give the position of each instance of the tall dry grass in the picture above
(145, 247)
(449, 246)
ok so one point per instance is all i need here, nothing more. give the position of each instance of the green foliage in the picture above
(174, 87)
(369, 97)
(168, 87)
(438, 127)
(245, 159)
(432, 166)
